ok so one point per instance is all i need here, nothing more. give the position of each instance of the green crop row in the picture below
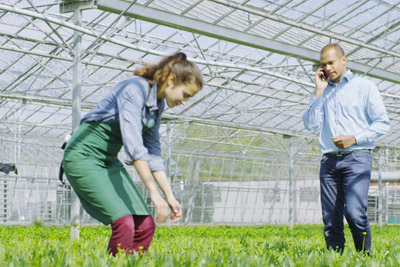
(195, 246)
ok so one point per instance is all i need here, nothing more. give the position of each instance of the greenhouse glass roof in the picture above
(258, 58)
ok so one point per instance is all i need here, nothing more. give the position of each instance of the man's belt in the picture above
(344, 153)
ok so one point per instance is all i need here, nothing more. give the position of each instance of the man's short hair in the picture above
(337, 47)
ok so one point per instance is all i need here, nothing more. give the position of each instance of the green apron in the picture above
(101, 182)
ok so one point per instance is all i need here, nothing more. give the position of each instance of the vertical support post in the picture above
(386, 203)
(168, 163)
(291, 184)
(76, 113)
(5, 201)
(380, 208)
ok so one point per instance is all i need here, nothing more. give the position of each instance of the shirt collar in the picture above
(346, 78)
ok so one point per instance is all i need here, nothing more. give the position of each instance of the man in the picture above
(350, 113)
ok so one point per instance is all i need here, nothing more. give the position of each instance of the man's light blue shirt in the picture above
(352, 107)
(134, 104)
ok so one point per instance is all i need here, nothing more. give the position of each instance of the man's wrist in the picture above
(318, 93)
(354, 140)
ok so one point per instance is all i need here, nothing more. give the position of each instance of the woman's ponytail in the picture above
(177, 64)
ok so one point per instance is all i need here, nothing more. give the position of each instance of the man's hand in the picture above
(344, 141)
(320, 83)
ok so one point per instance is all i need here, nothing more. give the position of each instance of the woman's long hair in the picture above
(185, 71)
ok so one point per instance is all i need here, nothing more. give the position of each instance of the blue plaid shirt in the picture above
(135, 106)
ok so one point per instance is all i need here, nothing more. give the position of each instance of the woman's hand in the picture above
(162, 208)
(162, 180)
(176, 209)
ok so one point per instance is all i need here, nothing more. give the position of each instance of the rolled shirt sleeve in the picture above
(151, 140)
(130, 101)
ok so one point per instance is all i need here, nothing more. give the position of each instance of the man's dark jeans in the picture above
(345, 183)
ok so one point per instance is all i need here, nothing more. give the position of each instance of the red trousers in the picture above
(131, 233)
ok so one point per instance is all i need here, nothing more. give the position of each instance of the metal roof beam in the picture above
(197, 26)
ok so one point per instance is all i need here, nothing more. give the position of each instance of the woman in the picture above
(129, 116)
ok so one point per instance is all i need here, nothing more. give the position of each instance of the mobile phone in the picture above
(316, 67)
(324, 76)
